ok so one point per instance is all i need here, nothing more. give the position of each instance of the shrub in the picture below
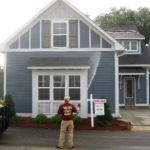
(2, 102)
(41, 118)
(105, 120)
(56, 119)
(10, 102)
(76, 119)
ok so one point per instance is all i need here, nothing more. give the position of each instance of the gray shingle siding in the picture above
(103, 83)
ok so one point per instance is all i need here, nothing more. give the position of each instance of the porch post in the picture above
(147, 86)
(117, 114)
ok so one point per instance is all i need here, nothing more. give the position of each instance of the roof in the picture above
(58, 62)
(122, 31)
(136, 59)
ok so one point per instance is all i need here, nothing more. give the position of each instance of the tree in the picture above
(124, 16)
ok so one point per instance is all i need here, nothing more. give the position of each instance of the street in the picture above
(46, 139)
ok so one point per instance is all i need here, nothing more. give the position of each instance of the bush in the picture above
(76, 119)
(2, 103)
(41, 118)
(56, 119)
(10, 102)
(105, 120)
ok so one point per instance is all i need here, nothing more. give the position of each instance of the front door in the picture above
(129, 92)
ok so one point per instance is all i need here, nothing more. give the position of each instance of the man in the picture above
(66, 110)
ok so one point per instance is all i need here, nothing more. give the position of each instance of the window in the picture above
(130, 45)
(43, 87)
(74, 87)
(59, 87)
(59, 34)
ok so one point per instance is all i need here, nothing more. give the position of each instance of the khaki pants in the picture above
(66, 129)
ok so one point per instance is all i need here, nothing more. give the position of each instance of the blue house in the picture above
(61, 52)
(134, 66)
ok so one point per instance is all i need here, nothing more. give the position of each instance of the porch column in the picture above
(117, 114)
(147, 86)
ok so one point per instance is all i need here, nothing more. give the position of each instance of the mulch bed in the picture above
(117, 125)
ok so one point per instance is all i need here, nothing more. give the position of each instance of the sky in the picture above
(15, 13)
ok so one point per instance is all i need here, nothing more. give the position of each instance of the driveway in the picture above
(139, 117)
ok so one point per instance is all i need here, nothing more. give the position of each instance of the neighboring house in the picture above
(61, 52)
(133, 66)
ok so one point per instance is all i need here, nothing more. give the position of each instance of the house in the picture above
(61, 52)
(134, 66)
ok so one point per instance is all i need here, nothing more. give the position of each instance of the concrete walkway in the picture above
(139, 117)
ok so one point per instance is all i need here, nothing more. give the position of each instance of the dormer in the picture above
(126, 35)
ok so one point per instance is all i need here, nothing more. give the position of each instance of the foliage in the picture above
(76, 119)
(105, 120)
(41, 118)
(56, 119)
(2, 102)
(10, 102)
(124, 16)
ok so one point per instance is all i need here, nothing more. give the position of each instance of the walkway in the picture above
(139, 117)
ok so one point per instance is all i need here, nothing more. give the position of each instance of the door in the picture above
(129, 91)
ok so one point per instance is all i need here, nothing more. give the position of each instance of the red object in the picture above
(67, 110)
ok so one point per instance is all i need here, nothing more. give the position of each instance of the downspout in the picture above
(117, 113)
(147, 87)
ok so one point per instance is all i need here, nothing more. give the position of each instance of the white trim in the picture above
(60, 50)
(125, 38)
(132, 73)
(141, 105)
(147, 85)
(41, 34)
(78, 33)
(90, 41)
(116, 86)
(24, 114)
(5, 73)
(59, 67)
(121, 105)
(136, 65)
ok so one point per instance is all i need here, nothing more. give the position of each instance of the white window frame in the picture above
(67, 32)
(130, 45)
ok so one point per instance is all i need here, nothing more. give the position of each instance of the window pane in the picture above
(129, 88)
(59, 81)
(74, 81)
(43, 81)
(133, 45)
(59, 28)
(43, 94)
(59, 94)
(59, 41)
(74, 94)
(126, 45)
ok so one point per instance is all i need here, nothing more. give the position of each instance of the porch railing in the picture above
(4, 118)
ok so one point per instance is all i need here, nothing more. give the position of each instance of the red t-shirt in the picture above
(66, 111)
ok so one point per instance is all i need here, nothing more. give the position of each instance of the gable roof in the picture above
(122, 31)
(117, 46)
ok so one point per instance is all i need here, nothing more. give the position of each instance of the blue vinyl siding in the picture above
(35, 36)
(84, 35)
(103, 83)
(24, 40)
(19, 78)
(141, 91)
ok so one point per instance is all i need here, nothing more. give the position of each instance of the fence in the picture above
(4, 118)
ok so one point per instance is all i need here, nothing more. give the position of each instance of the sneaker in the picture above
(60, 147)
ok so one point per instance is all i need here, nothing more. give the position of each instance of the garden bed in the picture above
(117, 124)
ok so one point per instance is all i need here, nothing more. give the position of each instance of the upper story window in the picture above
(130, 45)
(59, 34)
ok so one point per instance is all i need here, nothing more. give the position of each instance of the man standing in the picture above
(66, 110)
